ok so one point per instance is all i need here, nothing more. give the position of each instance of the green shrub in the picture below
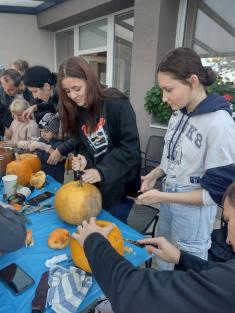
(154, 104)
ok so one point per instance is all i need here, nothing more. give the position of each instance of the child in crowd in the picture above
(20, 129)
(48, 142)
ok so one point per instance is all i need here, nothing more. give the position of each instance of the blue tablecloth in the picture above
(32, 259)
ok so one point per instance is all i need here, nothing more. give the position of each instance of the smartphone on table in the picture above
(15, 278)
(39, 198)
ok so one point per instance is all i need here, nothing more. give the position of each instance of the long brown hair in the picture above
(77, 67)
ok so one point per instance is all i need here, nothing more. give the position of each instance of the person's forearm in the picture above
(192, 197)
(158, 172)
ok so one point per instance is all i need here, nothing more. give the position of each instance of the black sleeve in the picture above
(135, 290)
(12, 230)
(188, 261)
(124, 133)
(66, 147)
(216, 181)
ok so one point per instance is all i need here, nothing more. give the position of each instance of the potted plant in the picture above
(154, 105)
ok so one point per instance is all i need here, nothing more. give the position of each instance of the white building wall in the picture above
(21, 38)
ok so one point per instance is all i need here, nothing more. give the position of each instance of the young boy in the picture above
(48, 142)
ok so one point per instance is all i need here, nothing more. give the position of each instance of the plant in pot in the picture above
(155, 106)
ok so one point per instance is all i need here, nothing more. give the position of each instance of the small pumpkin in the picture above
(59, 238)
(115, 238)
(33, 160)
(76, 201)
(22, 169)
(38, 179)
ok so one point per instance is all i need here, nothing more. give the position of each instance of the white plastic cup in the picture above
(9, 183)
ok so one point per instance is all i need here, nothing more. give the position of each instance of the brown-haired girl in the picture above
(198, 158)
(103, 125)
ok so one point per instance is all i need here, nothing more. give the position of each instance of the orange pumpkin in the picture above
(76, 201)
(115, 238)
(59, 238)
(22, 169)
(33, 160)
(38, 179)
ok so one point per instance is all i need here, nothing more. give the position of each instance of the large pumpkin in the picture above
(115, 238)
(22, 169)
(76, 201)
(33, 160)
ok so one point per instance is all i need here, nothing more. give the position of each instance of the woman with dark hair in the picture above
(198, 157)
(41, 82)
(102, 124)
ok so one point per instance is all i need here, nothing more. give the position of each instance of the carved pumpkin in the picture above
(22, 169)
(115, 238)
(38, 179)
(76, 201)
(33, 160)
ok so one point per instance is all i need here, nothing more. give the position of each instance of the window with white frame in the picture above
(210, 31)
(105, 43)
(64, 46)
(123, 42)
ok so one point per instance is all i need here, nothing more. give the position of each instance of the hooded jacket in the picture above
(199, 286)
(113, 149)
(199, 147)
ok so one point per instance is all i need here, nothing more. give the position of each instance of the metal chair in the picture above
(151, 157)
(141, 217)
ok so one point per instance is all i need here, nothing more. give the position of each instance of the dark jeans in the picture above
(122, 210)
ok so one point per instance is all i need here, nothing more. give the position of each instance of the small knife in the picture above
(140, 245)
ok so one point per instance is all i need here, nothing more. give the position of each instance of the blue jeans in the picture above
(188, 227)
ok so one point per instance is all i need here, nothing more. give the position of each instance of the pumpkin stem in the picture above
(80, 183)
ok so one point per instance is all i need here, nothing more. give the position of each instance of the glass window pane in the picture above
(214, 37)
(64, 46)
(93, 35)
(123, 42)
(98, 63)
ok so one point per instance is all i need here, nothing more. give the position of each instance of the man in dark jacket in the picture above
(196, 286)
(11, 88)
(12, 230)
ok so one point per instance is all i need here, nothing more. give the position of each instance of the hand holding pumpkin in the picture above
(79, 163)
(87, 228)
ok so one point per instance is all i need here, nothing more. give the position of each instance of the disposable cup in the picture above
(9, 183)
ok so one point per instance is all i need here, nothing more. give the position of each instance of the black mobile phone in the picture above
(15, 278)
(39, 198)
